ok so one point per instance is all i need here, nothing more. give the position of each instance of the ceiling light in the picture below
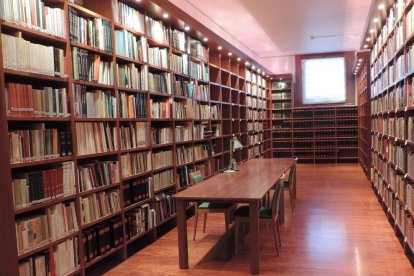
(381, 6)
(271, 78)
(368, 39)
(137, 0)
(360, 59)
(267, 76)
(205, 39)
(263, 73)
(230, 54)
(371, 31)
(187, 28)
(247, 63)
(219, 47)
(365, 46)
(258, 70)
(238, 59)
(253, 67)
(375, 20)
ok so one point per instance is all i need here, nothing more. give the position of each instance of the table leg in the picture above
(254, 238)
(182, 234)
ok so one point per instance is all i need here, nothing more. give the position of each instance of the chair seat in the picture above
(243, 211)
(214, 205)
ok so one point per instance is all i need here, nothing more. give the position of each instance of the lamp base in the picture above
(231, 171)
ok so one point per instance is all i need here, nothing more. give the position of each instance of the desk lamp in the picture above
(234, 144)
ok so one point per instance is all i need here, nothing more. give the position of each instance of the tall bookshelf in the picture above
(362, 62)
(313, 134)
(391, 75)
(126, 120)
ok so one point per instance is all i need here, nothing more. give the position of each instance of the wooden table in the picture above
(249, 185)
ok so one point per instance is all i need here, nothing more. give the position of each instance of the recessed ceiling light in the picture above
(360, 59)
(230, 54)
(263, 73)
(258, 71)
(368, 39)
(219, 47)
(137, 0)
(375, 20)
(371, 31)
(253, 67)
(381, 6)
(187, 28)
(271, 78)
(238, 59)
(205, 39)
(267, 76)
(165, 15)
(246, 63)
(365, 46)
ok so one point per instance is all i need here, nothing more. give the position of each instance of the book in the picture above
(162, 180)
(137, 190)
(93, 104)
(139, 220)
(98, 205)
(159, 82)
(128, 16)
(135, 163)
(133, 135)
(130, 45)
(183, 109)
(132, 76)
(158, 57)
(161, 135)
(161, 159)
(157, 30)
(183, 133)
(97, 174)
(160, 109)
(184, 155)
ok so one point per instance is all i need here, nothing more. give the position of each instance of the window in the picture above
(324, 80)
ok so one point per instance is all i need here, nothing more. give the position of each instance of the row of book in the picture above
(38, 16)
(157, 30)
(133, 135)
(178, 40)
(97, 174)
(131, 76)
(139, 220)
(197, 49)
(179, 63)
(137, 190)
(89, 67)
(62, 259)
(165, 206)
(96, 33)
(128, 16)
(254, 78)
(93, 104)
(131, 46)
(199, 71)
(184, 155)
(183, 133)
(158, 57)
(56, 222)
(98, 240)
(159, 82)
(35, 187)
(22, 55)
(95, 138)
(162, 159)
(161, 135)
(160, 109)
(24, 100)
(183, 176)
(163, 179)
(190, 89)
(135, 163)
(98, 205)
(38, 143)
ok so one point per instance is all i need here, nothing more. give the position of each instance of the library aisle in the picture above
(339, 228)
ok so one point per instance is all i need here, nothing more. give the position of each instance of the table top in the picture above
(250, 183)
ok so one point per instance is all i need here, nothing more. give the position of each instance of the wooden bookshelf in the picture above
(388, 79)
(313, 134)
(362, 60)
(238, 94)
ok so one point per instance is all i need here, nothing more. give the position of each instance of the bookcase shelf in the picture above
(225, 86)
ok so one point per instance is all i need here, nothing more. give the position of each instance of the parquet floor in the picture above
(338, 228)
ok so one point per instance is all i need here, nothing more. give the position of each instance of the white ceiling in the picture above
(271, 31)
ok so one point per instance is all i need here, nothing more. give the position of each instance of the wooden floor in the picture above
(338, 228)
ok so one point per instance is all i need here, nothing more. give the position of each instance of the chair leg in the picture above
(275, 237)
(205, 222)
(195, 223)
(227, 220)
(293, 197)
(278, 233)
(236, 236)
(291, 200)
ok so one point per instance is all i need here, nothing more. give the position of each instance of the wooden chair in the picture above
(210, 207)
(289, 185)
(267, 215)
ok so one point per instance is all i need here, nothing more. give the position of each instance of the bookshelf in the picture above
(390, 83)
(313, 134)
(126, 114)
(364, 110)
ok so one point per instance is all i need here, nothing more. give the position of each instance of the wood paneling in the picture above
(338, 228)
(350, 85)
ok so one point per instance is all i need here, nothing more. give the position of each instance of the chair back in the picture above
(292, 174)
(196, 177)
(276, 198)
